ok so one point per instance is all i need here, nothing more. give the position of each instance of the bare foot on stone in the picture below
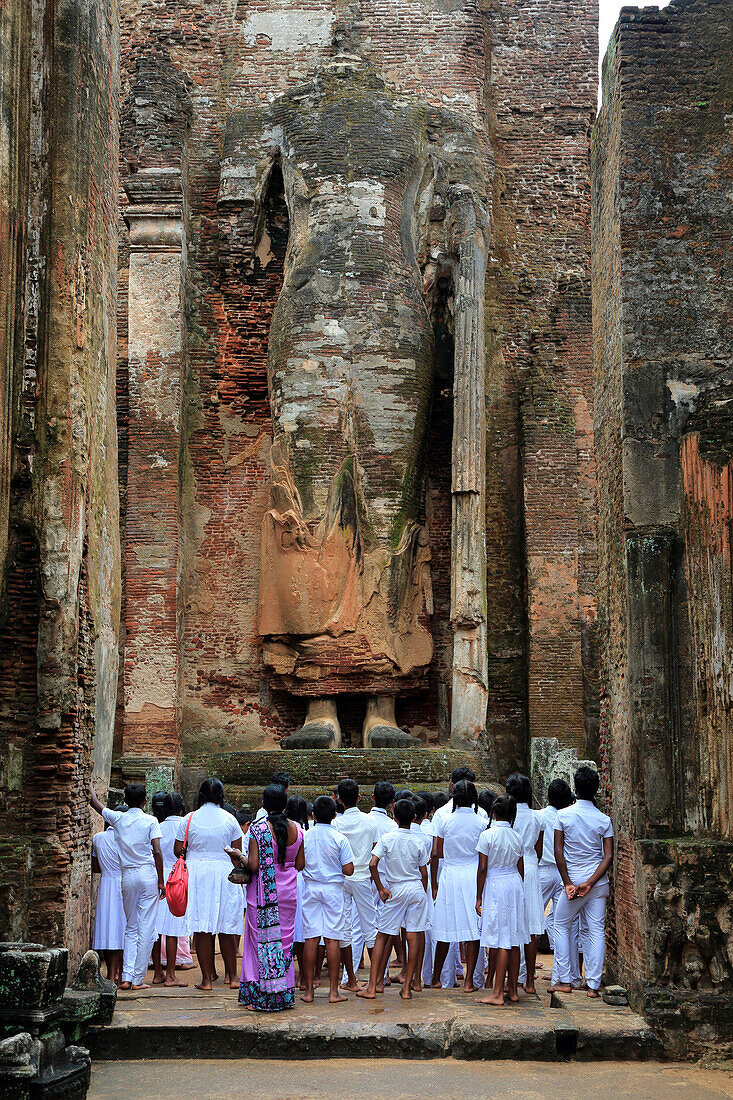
(160, 980)
(353, 987)
(143, 985)
(530, 989)
(205, 987)
(559, 988)
(366, 995)
(406, 994)
(307, 998)
(336, 998)
(593, 994)
(125, 986)
(175, 983)
(490, 1001)
(417, 987)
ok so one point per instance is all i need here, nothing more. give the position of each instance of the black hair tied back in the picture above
(274, 800)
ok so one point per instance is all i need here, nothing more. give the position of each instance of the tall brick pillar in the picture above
(157, 258)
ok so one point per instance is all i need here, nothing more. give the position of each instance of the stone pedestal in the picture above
(41, 1022)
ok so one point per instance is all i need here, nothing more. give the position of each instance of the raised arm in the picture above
(95, 803)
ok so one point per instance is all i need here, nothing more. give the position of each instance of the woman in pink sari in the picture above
(274, 856)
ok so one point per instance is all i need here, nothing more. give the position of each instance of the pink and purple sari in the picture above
(268, 977)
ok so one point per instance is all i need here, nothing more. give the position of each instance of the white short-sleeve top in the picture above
(549, 823)
(211, 830)
(401, 854)
(528, 824)
(168, 836)
(460, 832)
(104, 847)
(134, 832)
(584, 828)
(326, 852)
(501, 845)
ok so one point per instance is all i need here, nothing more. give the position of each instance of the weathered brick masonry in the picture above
(59, 541)
(662, 294)
(524, 76)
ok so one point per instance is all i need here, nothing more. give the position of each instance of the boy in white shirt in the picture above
(138, 848)
(583, 853)
(405, 904)
(362, 833)
(328, 858)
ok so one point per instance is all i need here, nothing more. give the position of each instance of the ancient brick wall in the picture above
(662, 289)
(59, 615)
(524, 74)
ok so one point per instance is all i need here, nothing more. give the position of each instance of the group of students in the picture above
(455, 884)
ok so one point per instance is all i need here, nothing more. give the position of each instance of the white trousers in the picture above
(552, 891)
(140, 902)
(361, 906)
(592, 908)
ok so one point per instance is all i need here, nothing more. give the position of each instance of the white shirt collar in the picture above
(353, 810)
(501, 825)
(379, 810)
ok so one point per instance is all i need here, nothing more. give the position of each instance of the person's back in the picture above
(501, 845)
(460, 832)
(323, 846)
(134, 832)
(401, 854)
(210, 831)
(168, 833)
(104, 847)
(584, 827)
(362, 833)
(548, 817)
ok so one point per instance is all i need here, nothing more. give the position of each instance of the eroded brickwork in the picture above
(663, 286)
(59, 506)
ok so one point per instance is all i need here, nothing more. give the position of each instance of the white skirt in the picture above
(215, 904)
(298, 936)
(166, 924)
(109, 919)
(503, 910)
(533, 896)
(454, 917)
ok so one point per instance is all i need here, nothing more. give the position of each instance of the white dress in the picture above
(109, 919)
(529, 824)
(214, 904)
(454, 918)
(503, 909)
(167, 924)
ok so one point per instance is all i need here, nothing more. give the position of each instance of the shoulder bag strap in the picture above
(185, 836)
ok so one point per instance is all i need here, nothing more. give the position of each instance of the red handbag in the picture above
(176, 888)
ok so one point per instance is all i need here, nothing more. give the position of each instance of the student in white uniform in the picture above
(422, 826)
(401, 854)
(559, 797)
(454, 914)
(583, 853)
(297, 810)
(170, 927)
(138, 849)
(109, 918)
(500, 898)
(328, 859)
(362, 833)
(215, 905)
(452, 970)
(528, 824)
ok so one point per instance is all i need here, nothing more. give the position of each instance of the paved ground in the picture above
(403, 1079)
(168, 1023)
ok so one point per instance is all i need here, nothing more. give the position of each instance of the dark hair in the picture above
(244, 817)
(421, 807)
(274, 800)
(310, 807)
(464, 794)
(403, 792)
(440, 798)
(121, 808)
(229, 809)
(587, 781)
(383, 794)
(348, 792)
(324, 809)
(297, 810)
(157, 805)
(559, 794)
(505, 809)
(463, 773)
(427, 799)
(404, 811)
(174, 806)
(519, 787)
(486, 801)
(211, 790)
(135, 795)
(280, 779)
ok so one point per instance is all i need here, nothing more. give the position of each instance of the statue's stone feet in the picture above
(390, 737)
(321, 729)
(380, 726)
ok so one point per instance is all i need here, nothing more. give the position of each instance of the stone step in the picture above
(435, 1024)
(324, 767)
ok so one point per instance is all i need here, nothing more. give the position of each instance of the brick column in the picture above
(157, 257)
